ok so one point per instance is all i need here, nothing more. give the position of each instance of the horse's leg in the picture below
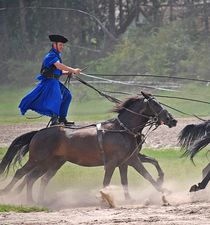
(109, 170)
(21, 186)
(31, 178)
(147, 159)
(124, 180)
(206, 170)
(138, 166)
(18, 175)
(56, 165)
(202, 184)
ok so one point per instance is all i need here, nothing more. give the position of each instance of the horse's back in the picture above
(45, 142)
(79, 146)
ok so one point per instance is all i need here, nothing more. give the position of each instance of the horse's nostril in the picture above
(174, 122)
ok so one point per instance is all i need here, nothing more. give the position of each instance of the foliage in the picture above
(21, 209)
(170, 51)
(94, 27)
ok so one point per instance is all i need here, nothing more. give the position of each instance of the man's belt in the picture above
(51, 76)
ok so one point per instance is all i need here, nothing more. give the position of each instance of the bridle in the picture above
(156, 115)
(152, 120)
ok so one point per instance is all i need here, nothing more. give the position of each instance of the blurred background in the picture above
(122, 41)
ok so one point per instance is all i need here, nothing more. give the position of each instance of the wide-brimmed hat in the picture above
(57, 38)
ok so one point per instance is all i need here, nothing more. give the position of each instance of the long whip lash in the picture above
(127, 83)
(153, 75)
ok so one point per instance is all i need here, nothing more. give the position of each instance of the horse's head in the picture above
(155, 110)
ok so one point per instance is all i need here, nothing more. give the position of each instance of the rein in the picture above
(175, 97)
(138, 144)
(109, 97)
(130, 131)
(115, 100)
(183, 112)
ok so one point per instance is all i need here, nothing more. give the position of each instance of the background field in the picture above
(88, 105)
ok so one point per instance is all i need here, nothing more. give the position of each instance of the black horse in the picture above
(113, 143)
(193, 138)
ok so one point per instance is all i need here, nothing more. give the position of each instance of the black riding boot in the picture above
(65, 122)
(54, 121)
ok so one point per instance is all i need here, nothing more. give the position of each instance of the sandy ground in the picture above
(162, 137)
(74, 207)
(184, 209)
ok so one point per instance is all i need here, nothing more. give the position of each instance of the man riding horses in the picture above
(50, 97)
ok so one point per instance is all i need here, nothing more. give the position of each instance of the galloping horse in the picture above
(193, 138)
(113, 143)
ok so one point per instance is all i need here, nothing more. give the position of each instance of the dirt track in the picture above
(184, 209)
(162, 137)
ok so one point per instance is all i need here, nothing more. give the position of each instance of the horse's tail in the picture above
(193, 138)
(197, 146)
(21, 142)
(189, 134)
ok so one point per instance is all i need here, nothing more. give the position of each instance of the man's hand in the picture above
(77, 71)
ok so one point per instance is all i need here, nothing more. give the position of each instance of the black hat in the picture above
(57, 38)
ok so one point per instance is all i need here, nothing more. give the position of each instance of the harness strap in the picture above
(138, 144)
(100, 134)
(127, 129)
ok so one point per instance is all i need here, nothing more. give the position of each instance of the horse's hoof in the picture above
(107, 198)
(165, 202)
(194, 188)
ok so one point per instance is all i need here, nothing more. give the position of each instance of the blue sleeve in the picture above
(50, 59)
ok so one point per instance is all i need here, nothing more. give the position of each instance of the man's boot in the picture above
(65, 122)
(54, 121)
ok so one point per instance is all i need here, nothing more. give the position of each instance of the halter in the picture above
(152, 119)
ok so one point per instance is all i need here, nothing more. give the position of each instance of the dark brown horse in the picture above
(113, 143)
(193, 138)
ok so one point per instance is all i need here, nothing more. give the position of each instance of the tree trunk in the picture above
(4, 32)
(112, 16)
(171, 17)
(156, 13)
(24, 33)
(206, 18)
(120, 13)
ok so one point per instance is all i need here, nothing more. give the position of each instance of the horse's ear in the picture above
(146, 95)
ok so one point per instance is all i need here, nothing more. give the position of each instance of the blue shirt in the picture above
(52, 57)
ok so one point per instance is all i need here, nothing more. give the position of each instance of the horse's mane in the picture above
(120, 107)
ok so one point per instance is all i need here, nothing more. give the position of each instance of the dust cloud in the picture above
(80, 197)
